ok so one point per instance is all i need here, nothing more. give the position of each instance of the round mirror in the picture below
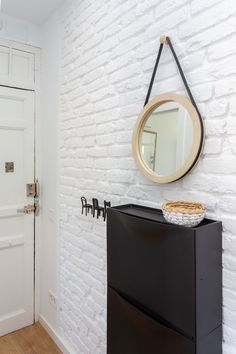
(167, 138)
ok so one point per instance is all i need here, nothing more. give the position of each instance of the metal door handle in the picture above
(28, 209)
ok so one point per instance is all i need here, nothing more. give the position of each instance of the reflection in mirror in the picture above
(149, 142)
(167, 138)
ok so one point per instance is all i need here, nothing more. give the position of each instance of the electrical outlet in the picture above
(52, 299)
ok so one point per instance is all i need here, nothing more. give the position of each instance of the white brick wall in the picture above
(109, 49)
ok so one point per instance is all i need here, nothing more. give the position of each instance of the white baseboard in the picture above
(56, 338)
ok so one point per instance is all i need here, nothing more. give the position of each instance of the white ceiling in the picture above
(35, 11)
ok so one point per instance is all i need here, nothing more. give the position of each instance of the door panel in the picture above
(16, 230)
(22, 69)
(4, 63)
(11, 109)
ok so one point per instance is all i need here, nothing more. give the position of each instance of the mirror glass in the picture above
(166, 138)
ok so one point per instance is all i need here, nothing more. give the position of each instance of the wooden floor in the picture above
(29, 340)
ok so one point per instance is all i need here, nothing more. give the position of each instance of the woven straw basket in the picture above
(183, 213)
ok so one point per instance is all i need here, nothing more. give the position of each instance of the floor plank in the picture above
(30, 340)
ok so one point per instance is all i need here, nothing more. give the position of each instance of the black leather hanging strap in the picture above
(168, 41)
(153, 74)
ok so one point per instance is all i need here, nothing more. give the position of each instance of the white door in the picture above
(16, 228)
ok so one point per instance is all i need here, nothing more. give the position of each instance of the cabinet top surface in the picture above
(154, 214)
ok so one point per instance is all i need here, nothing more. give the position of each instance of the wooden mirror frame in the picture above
(197, 137)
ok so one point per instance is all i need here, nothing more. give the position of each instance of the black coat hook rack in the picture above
(95, 208)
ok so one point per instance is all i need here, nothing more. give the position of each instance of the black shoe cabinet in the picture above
(164, 284)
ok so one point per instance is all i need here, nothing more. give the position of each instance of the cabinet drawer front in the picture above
(153, 263)
(130, 331)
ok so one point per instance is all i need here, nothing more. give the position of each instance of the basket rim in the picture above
(183, 207)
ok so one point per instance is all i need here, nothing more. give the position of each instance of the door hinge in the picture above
(36, 207)
(32, 190)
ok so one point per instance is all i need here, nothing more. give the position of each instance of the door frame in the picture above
(37, 157)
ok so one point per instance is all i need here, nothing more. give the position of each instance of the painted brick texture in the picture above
(108, 52)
